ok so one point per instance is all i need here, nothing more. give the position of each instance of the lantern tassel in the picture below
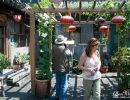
(118, 27)
(108, 34)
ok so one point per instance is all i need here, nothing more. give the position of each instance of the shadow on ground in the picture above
(75, 89)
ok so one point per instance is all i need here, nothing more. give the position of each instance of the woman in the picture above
(90, 64)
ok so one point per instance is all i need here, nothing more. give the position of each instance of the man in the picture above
(61, 66)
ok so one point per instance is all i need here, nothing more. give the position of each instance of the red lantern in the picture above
(66, 19)
(118, 19)
(103, 28)
(17, 18)
(71, 28)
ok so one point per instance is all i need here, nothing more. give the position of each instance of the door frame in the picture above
(4, 39)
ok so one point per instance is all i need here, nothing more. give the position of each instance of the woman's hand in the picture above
(90, 69)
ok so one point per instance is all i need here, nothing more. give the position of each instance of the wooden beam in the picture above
(94, 4)
(77, 10)
(53, 5)
(79, 17)
(88, 18)
(32, 51)
(66, 5)
(80, 4)
(53, 18)
(75, 15)
(60, 14)
(46, 13)
(83, 22)
(123, 3)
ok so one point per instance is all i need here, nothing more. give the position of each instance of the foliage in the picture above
(75, 67)
(107, 4)
(124, 30)
(103, 39)
(44, 29)
(104, 55)
(42, 3)
(43, 73)
(121, 59)
(21, 58)
(44, 59)
(4, 62)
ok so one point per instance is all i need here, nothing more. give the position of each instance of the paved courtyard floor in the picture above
(75, 90)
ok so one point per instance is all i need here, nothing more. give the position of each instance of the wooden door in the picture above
(2, 39)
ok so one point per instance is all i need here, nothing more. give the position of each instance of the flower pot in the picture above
(42, 88)
(16, 66)
(104, 69)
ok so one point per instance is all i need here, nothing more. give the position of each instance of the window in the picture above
(19, 36)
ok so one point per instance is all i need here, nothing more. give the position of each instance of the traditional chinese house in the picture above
(14, 28)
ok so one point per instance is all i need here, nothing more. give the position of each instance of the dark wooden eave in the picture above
(12, 6)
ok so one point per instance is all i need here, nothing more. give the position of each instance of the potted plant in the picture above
(104, 68)
(20, 59)
(43, 62)
(43, 80)
(121, 60)
(103, 53)
(104, 65)
(4, 62)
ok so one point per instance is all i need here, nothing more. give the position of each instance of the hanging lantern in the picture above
(103, 28)
(71, 28)
(118, 19)
(108, 34)
(100, 21)
(17, 18)
(67, 19)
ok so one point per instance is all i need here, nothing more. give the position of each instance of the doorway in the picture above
(2, 37)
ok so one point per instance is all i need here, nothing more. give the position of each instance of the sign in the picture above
(29, 1)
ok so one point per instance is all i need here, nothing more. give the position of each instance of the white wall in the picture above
(14, 51)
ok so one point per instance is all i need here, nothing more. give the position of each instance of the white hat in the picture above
(60, 39)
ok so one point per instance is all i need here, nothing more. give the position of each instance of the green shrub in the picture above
(43, 62)
(121, 60)
(4, 62)
(21, 58)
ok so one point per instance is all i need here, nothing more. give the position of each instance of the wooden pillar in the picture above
(32, 50)
(50, 43)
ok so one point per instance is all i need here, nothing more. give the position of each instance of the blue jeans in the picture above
(61, 85)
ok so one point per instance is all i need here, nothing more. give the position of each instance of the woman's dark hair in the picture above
(89, 46)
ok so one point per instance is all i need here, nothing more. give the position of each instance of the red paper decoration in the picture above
(71, 28)
(67, 19)
(118, 19)
(17, 18)
(103, 28)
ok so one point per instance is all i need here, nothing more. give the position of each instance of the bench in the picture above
(11, 75)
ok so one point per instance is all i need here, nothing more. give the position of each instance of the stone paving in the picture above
(75, 90)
